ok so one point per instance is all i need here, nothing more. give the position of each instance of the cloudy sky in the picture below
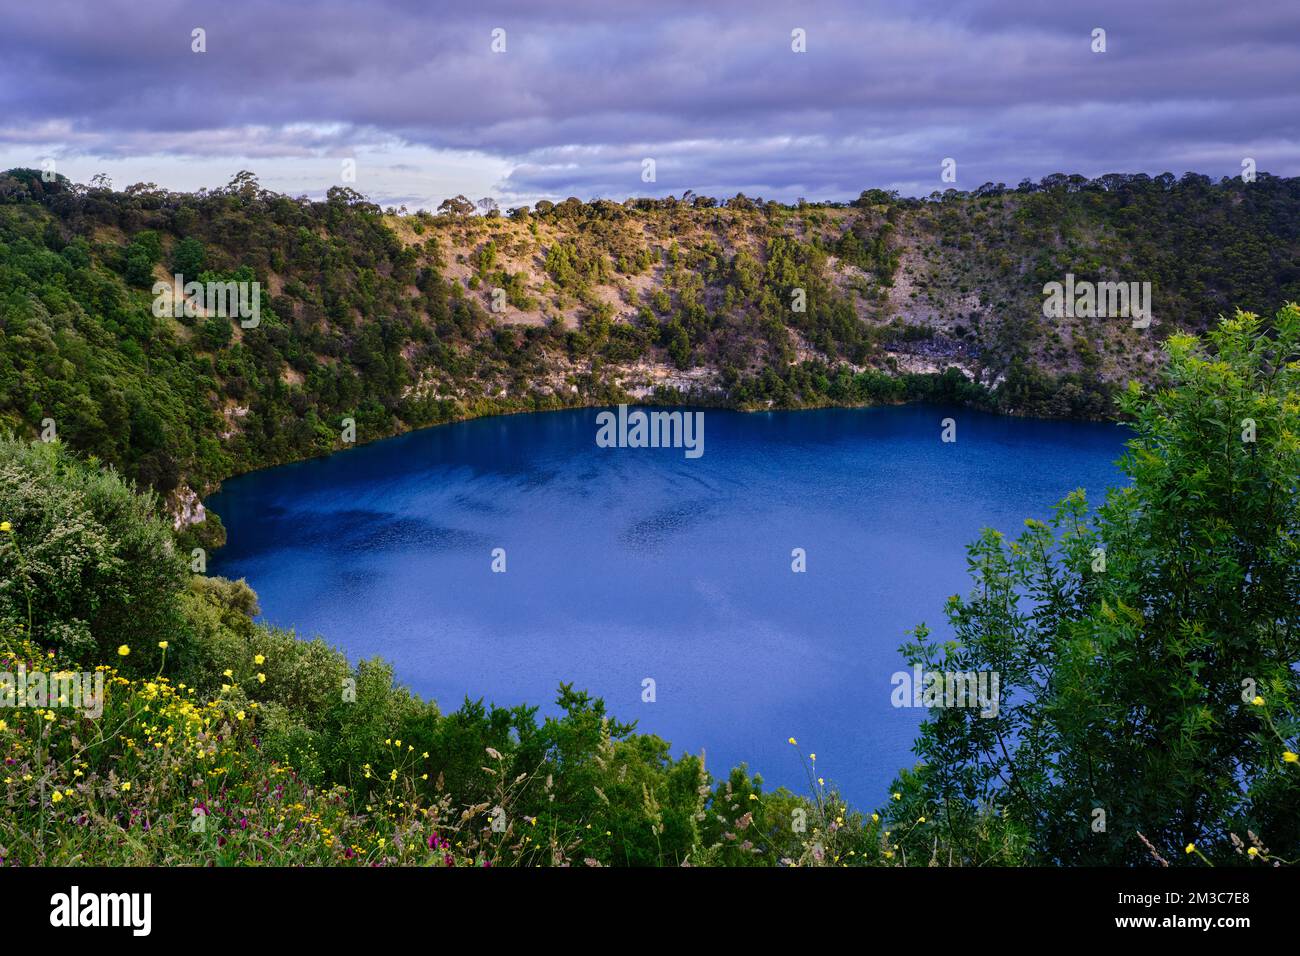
(414, 93)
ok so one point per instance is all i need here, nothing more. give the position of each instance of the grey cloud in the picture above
(713, 92)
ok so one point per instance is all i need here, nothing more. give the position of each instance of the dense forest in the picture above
(1147, 646)
(397, 320)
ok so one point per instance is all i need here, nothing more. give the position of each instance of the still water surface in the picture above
(624, 564)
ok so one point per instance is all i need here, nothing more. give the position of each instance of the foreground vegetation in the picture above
(1147, 651)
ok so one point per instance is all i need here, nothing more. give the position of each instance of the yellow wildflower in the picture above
(123, 651)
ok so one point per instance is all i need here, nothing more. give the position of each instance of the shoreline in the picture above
(681, 400)
(695, 401)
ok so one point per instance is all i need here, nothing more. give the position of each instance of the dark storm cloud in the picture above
(712, 91)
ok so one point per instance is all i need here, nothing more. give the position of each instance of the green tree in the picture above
(456, 206)
(189, 258)
(1147, 651)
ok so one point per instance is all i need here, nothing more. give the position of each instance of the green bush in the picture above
(1147, 650)
(88, 564)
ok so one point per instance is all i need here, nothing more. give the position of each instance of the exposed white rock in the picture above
(185, 507)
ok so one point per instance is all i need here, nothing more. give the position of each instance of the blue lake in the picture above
(628, 563)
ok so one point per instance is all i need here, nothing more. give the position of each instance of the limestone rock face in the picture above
(185, 508)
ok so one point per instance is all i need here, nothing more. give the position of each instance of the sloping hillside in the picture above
(399, 320)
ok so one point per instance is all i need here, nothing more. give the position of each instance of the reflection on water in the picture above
(632, 563)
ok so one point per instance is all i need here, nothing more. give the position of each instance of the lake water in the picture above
(628, 563)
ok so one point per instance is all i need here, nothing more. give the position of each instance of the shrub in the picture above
(88, 564)
(1147, 650)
